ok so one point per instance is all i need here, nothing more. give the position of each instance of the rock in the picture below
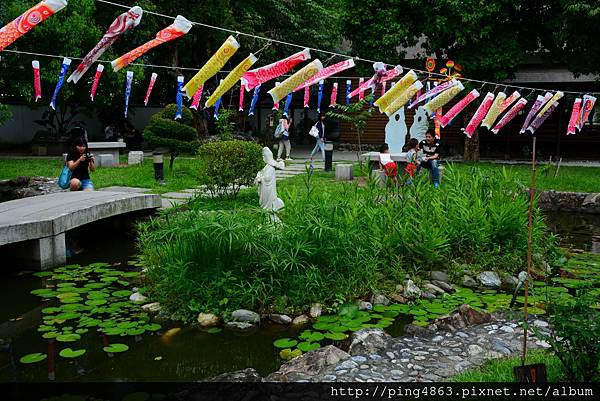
(137, 297)
(489, 279)
(428, 295)
(346, 365)
(411, 291)
(300, 321)
(467, 281)
(208, 320)
(379, 299)
(359, 359)
(399, 299)
(439, 276)
(153, 307)
(507, 329)
(509, 283)
(240, 326)
(247, 375)
(475, 349)
(434, 289)
(364, 305)
(368, 341)
(414, 330)
(280, 319)
(244, 315)
(315, 310)
(399, 288)
(540, 323)
(473, 317)
(443, 285)
(313, 363)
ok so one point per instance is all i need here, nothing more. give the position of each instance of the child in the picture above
(411, 159)
(386, 163)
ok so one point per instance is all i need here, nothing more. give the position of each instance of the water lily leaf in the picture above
(81, 331)
(339, 329)
(44, 293)
(67, 338)
(43, 274)
(308, 346)
(71, 353)
(97, 295)
(50, 334)
(420, 323)
(316, 337)
(121, 293)
(327, 319)
(305, 335)
(285, 343)
(95, 286)
(379, 308)
(71, 300)
(44, 328)
(33, 358)
(335, 336)
(124, 283)
(51, 309)
(131, 274)
(214, 330)
(68, 316)
(152, 327)
(109, 279)
(96, 302)
(113, 331)
(116, 348)
(323, 326)
(287, 354)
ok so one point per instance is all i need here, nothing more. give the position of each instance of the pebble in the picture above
(540, 323)
(475, 349)
(507, 329)
(437, 339)
(420, 358)
(363, 367)
(349, 364)
(390, 355)
(359, 359)
(376, 357)
(329, 378)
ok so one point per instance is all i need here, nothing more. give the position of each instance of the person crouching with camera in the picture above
(80, 161)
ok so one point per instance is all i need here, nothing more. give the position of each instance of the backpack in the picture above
(278, 131)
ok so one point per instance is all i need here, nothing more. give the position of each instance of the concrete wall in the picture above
(22, 128)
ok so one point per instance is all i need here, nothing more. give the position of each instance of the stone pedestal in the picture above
(105, 160)
(135, 157)
(343, 172)
(379, 177)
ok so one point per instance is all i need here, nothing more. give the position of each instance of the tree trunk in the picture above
(471, 153)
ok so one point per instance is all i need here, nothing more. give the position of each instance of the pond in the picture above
(174, 353)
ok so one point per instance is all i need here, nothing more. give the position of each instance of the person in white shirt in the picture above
(387, 164)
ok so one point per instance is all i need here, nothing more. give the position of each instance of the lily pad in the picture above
(51, 309)
(68, 316)
(33, 358)
(335, 336)
(323, 326)
(43, 274)
(44, 328)
(308, 346)
(214, 330)
(288, 354)
(97, 295)
(121, 293)
(50, 334)
(116, 348)
(71, 353)
(44, 293)
(71, 300)
(67, 338)
(285, 343)
(153, 327)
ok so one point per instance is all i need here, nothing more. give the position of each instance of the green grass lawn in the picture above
(501, 370)
(186, 173)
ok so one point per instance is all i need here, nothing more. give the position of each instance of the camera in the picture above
(89, 156)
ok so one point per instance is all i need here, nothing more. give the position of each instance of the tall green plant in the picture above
(226, 125)
(5, 114)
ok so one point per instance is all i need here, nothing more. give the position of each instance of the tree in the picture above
(5, 114)
(175, 135)
(356, 114)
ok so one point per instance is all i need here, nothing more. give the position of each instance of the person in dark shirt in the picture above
(431, 157)
(80, 161)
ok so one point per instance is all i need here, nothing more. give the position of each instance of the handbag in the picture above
(314, 132)
(64, 179)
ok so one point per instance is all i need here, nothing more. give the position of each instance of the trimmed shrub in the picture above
(175, 135)
(229, 165)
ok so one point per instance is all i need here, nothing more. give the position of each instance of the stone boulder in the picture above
(315, 310)
(443, 285)
(309, 365)
(509, 283)
(399, 288)
(467, 281)
(490, 279)
(301, 321)
(428, 295)
(434, 289)
(208, 320)
(379, 299)
(398, 299)
(439, 276)
(137, 297)
(368, 341)
(411, 291)
(460, 318)
(241, 376)
(280, 319)
(364, 305)
(241, 326)
(244, 315)
(153, 307)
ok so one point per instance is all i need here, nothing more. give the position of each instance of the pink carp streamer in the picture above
(334, 91)
(29, 20)
(327, 72)
(99, 71)
(124, 22)
(537, 105)
(306, 97)
(540, 118)
(197, 97)
(512, 113)
(494, 111)
(37, 81)
(177, 29)
(361, 94)
(150, 87)
(458, 108)
(572, 128)
(241, 104)
(479, 115)
(438, 89)
(364, 85)
(253, 78)
(586, 108)
(509, 101)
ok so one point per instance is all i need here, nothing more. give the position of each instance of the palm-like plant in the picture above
(355, 114)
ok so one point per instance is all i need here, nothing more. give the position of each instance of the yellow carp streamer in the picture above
(443, 98)
(403, 98)
(287, 86)
(231, 79)
(212, 66)
(557, 96)
(494, 111)
(401, 86)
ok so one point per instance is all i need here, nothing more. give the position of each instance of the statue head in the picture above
(267, 155)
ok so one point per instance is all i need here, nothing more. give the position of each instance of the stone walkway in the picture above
(171, 199)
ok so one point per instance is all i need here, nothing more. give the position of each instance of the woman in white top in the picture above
(386, 163)
(284, 140)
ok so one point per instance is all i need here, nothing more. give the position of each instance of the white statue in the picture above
(395, 131)
(267, 183)
(420, 124)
